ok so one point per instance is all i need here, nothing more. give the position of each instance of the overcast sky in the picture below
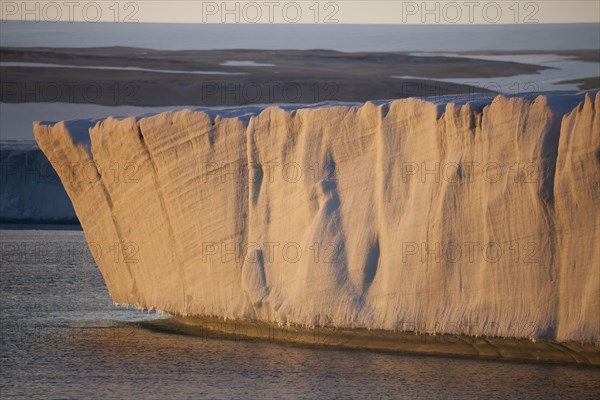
(307, 11)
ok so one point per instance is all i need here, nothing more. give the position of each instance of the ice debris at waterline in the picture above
(443, 215)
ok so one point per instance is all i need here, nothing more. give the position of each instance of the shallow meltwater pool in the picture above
(61, 337)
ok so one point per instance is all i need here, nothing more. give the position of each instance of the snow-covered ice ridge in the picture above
(449, 215)
(31, 190)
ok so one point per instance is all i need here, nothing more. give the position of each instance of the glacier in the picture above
(31, 189)
(469, 215)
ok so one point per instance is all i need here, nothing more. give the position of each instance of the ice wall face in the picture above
(31, 190)
(407, 215)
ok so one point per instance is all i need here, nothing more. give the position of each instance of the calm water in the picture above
(62, 338)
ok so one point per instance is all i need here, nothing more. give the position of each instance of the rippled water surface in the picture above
(61, 337)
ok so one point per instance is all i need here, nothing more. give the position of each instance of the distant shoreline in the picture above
(114, 76)
(342, 37)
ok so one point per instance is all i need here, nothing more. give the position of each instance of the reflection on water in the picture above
(62, 337)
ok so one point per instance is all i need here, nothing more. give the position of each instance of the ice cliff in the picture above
(477, 216)
(31, 190)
